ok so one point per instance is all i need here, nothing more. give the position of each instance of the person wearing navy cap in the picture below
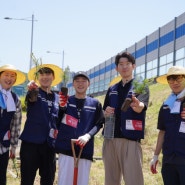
(81, 74)
(82, 119)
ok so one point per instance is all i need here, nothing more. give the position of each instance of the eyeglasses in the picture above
(172, 78)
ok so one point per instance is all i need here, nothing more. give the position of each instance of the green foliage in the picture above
(66, 75)
(22, 98)
(139, 87)
(14, 161)
(38, 65)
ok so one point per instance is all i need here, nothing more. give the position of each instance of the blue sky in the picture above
(89, 32)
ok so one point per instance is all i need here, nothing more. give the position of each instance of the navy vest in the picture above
(41, 117)
(5, 121)
(174, 139)
(86, 123)
(128, 118)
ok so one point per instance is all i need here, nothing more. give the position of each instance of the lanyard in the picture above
(79, 105)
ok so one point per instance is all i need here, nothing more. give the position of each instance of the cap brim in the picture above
(81, 75)
(162, 79)
(58, 72)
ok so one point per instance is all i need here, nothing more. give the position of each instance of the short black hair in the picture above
(124, 55)
(46, 70)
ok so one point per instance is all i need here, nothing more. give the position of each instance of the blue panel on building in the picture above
(180, 31)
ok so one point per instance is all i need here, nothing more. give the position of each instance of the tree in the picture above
(66, 76)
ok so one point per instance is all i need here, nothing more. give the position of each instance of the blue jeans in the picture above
(173, 174)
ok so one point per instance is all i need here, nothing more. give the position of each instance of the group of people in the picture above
(54, 119)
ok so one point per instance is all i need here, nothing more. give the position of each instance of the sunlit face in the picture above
(125, 68)
(7, 79)
(45, 80)
(81, 84)
(176, 83)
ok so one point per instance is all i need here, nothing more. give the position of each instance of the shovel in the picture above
(76, 160)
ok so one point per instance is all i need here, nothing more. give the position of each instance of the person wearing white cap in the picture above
(10, 116)
(38, 135)
(171, 126)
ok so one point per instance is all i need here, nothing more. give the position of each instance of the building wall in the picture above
(154, 55)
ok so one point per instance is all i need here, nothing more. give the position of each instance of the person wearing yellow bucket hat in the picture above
(58, 73)
(39, 133)
(171, 126)
(10, 119)
(173, 72)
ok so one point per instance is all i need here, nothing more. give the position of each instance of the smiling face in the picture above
(176, 83)
(7, 79)
(45, 80)
(125, 68)
(81, 84)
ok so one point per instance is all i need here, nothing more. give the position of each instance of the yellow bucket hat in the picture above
(58, 73)
(174, 70)
(21, 77)
(115, 80)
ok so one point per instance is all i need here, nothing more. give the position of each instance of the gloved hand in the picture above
(32, 85)
(153, 164)
(53, 133)
(183, 113)
(12, 153)
(82, 140)
(63, 99)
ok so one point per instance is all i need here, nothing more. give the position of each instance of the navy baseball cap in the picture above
(81, 74)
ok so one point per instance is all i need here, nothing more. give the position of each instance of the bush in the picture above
(22, 98)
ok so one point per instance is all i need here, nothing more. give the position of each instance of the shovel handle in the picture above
(76, 160)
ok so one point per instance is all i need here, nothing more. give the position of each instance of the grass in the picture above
(158, 94)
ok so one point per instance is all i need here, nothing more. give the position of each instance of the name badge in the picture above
(134, 125)
(70, 120)
(182, 127)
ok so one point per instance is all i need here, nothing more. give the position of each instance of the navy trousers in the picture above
(3, 167)
(37, 157)
(173, 174)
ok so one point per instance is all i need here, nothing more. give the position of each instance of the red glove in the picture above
(183, 113)
(153, 164)
(82, 140)
(63, 100)
(32, 85)
(12, 153)
(53, 133)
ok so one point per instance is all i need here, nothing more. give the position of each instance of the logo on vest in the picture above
(70, 120)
